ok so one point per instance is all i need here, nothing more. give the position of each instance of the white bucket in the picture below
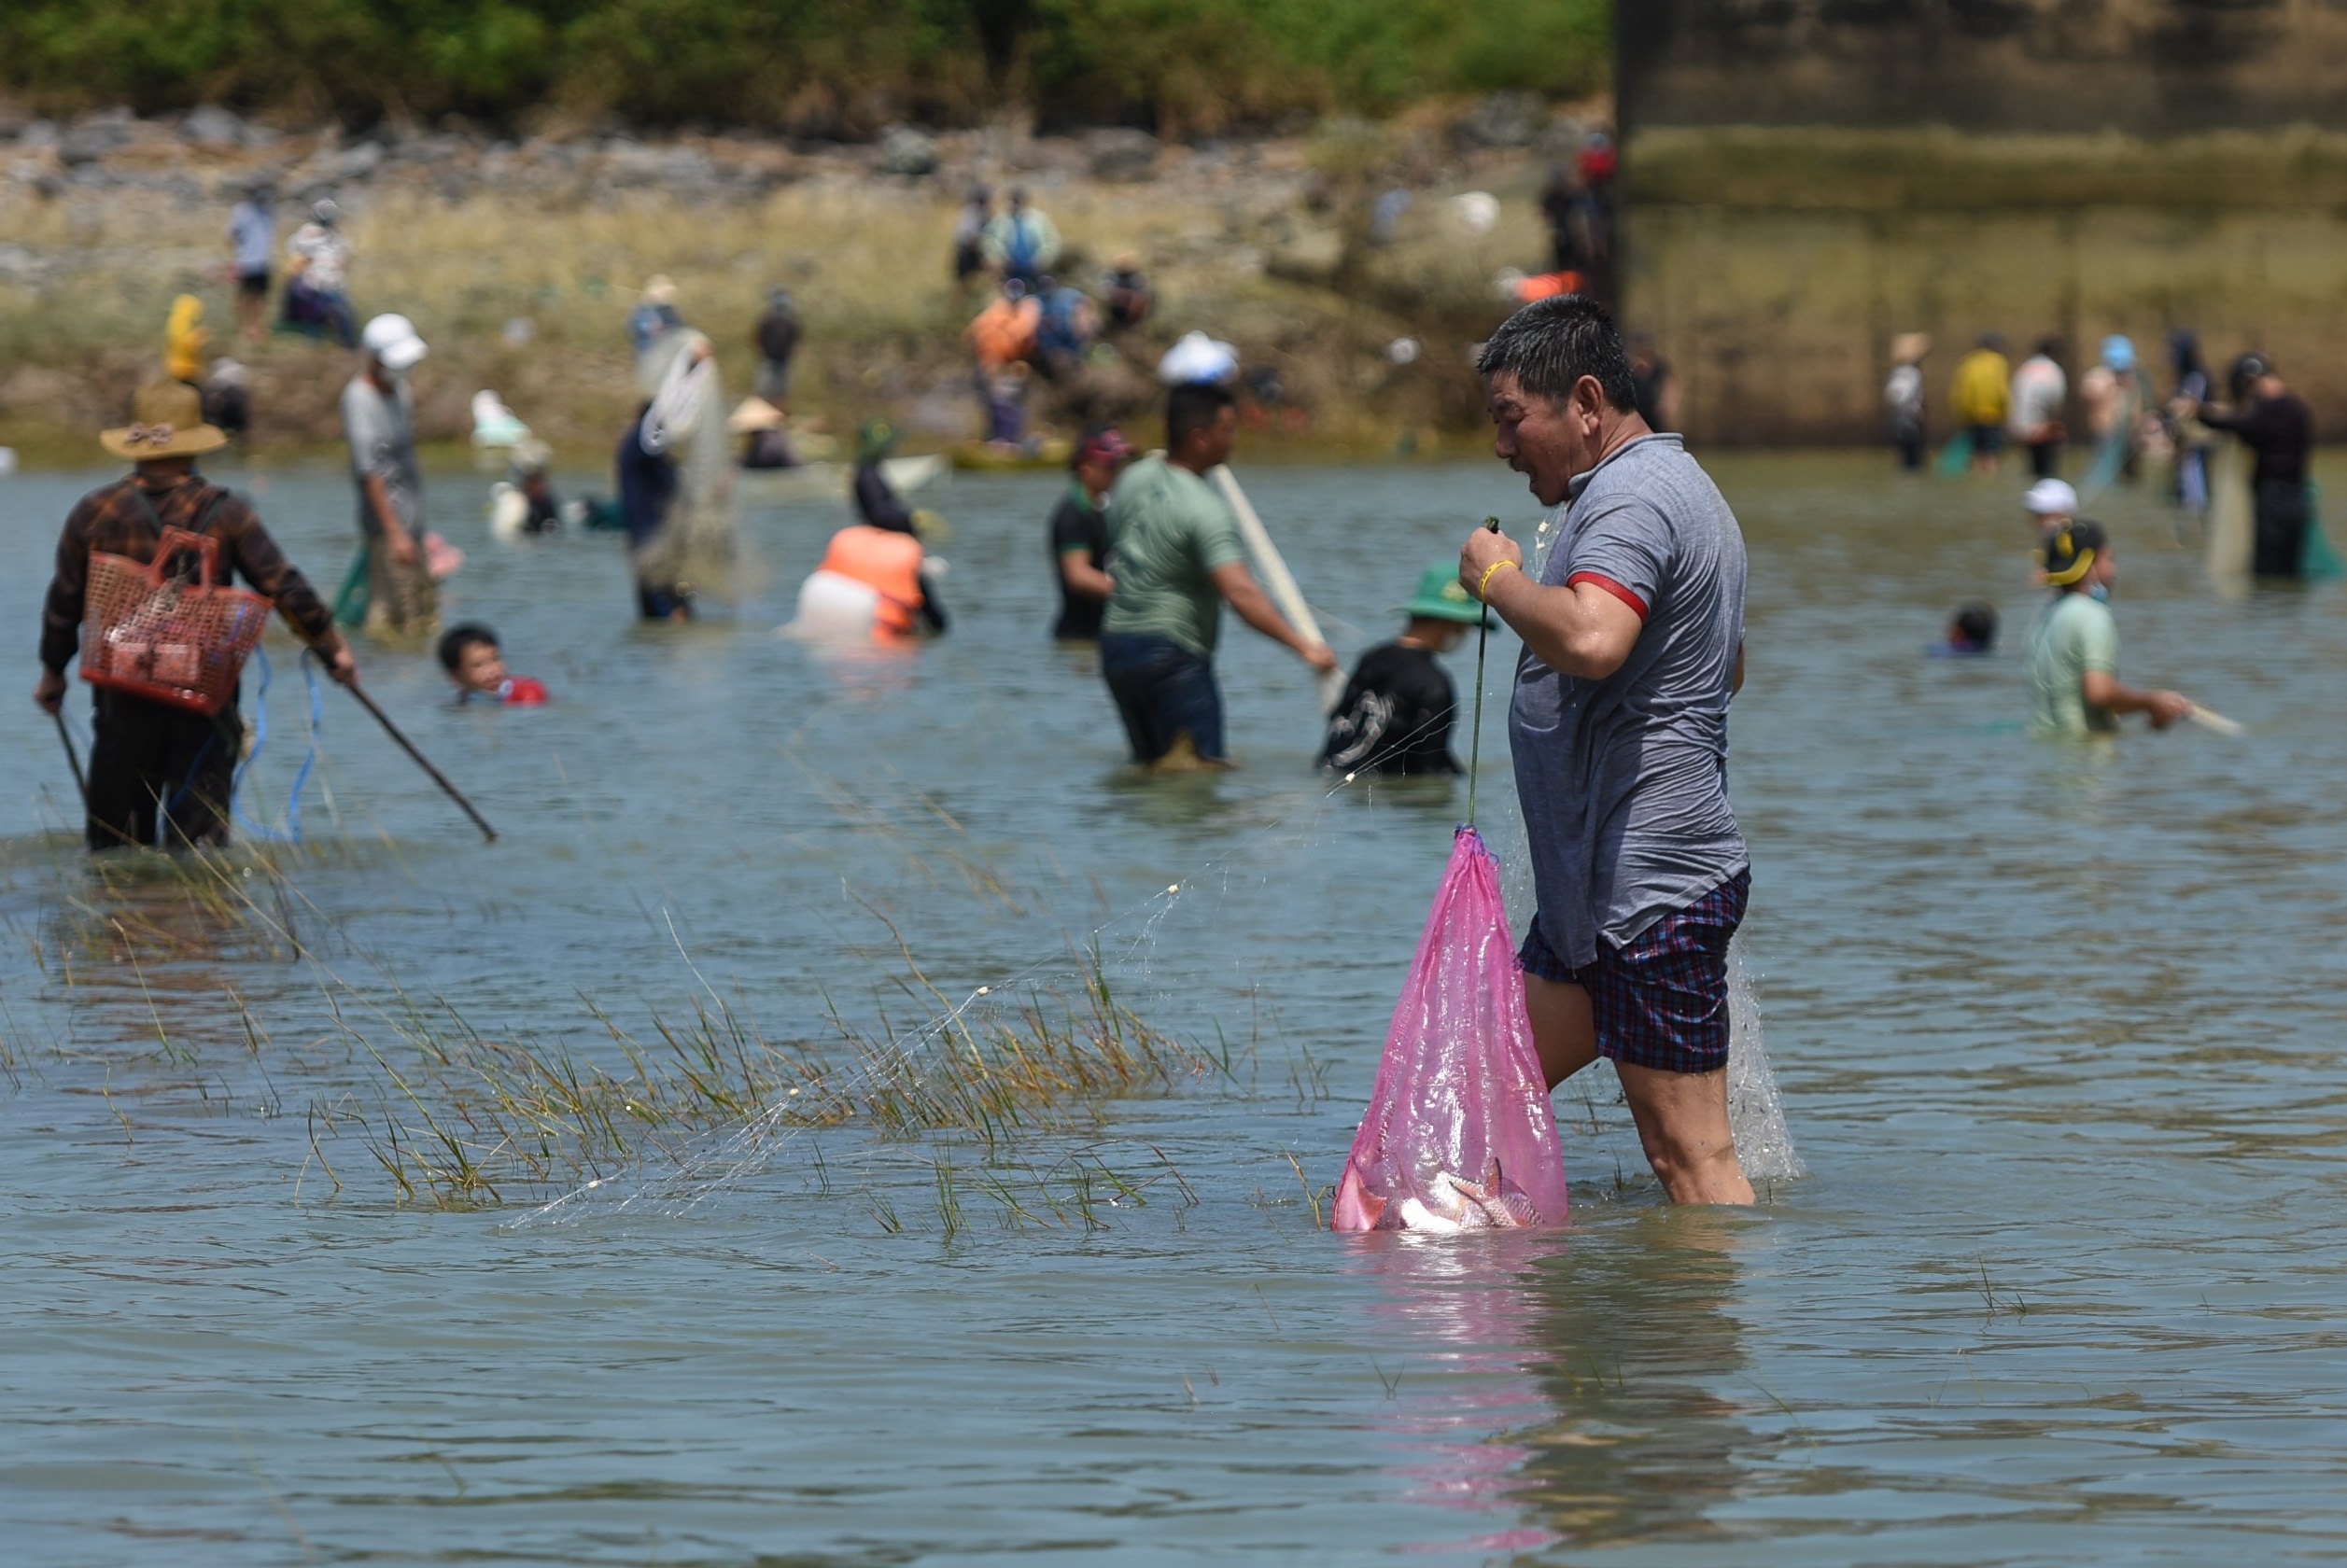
(835, 609)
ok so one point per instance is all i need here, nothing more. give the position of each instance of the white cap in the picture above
(2051, 497)
(392, 340)
(1198, 358)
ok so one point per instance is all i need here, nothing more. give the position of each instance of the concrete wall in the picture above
(2140, 65)
(1803, 178)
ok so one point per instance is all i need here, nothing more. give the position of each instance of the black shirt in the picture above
(778, 336)
(877, 504)
(1396, 716)
(1078, 525)
(1647, 386)
(2280, 430)
(877, 500)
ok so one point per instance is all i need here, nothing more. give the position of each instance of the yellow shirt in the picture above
(1982, 378)
(183, 340)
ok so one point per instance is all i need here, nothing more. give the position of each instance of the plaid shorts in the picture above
(1662, 1001)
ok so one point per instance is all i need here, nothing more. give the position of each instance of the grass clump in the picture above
(1011, 1088)
(469, 1121)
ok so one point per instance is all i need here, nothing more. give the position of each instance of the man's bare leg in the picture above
(1682, 1121)
(1564, 1031)
(1682, 1117)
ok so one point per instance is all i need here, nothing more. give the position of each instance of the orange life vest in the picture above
(1004, 331)
(886, 562)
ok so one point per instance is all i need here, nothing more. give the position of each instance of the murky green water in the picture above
(2058, 1032)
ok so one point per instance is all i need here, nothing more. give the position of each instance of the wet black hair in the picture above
(1550, 344)
(1194, 405)
(2246, 370)
(1976, 623)
(457, 638)
(2050, 347)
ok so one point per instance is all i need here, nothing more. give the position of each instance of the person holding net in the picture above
(1633, 637)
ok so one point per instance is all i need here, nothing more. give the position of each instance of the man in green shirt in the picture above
(2074, 647)
(1175, 554)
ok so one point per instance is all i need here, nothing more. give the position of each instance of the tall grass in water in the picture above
(1008, 1091)
(473, 1120)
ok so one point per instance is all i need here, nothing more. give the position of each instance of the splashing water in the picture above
(1756, 1110)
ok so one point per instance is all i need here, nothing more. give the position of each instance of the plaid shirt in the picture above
(113, 521)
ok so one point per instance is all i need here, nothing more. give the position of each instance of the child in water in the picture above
(470, 655)
(1971, 633)
(1397, 712)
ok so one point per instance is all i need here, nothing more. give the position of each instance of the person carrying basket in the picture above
(141, 593)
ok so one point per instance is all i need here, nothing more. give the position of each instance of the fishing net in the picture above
(165, 638)
(1459, 1135)
(2231, 541)
(699, 547)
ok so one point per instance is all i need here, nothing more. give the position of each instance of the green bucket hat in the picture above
(874, 437)
(1441, 597)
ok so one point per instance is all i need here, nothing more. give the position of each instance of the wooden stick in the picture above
(1278, 578)
(423, 762)
(73, 759)
(2209, 718)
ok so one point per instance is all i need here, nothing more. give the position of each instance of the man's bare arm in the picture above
(395, 534)
(1082, 577)
(2104, 690)
(1583, 629)
(1237, 584)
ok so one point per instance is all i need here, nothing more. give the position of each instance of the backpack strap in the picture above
(201, 525)
(214, 495)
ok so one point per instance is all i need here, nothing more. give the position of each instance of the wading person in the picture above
(880, 506)
(647, 483)
(476, 662)
(1176, 556)
(1079, 535)
(1903, 393)
(2074, 646)
(1395, 714)
(2034, 418)
(156, 766)
(2052, 504)
(379, 425)
(2276, 426)
(1633, 645)
(1981, 395)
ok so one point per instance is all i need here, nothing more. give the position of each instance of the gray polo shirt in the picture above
(381, 431)
(1624, 780)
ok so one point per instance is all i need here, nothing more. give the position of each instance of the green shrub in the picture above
(823, 66)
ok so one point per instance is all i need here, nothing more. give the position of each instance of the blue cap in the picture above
(2118, 352)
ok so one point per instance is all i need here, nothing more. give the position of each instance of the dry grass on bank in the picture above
(1294, 287)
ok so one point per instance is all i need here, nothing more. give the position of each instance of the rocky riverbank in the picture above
(519, 259)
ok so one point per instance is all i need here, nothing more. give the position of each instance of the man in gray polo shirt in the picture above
(1633, 644)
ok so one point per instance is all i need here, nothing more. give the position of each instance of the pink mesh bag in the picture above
(1459, 1135)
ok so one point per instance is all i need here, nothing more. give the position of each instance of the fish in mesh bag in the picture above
(1459, 1135)
(165, 638)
